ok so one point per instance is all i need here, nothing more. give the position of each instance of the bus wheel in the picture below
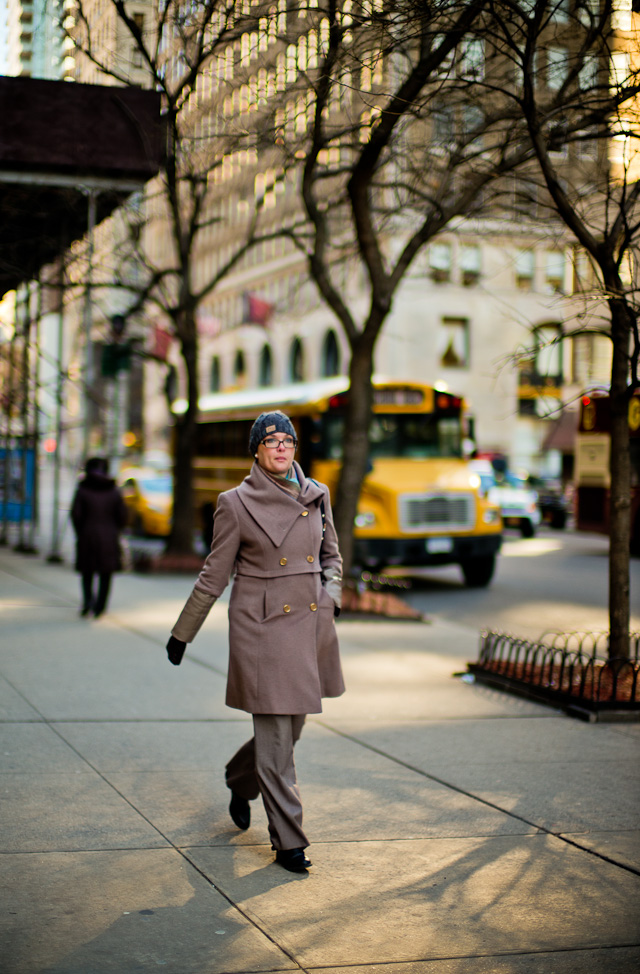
(527, 528)
(478, 572)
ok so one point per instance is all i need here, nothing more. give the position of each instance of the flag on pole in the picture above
(256, 310)
(161, 343)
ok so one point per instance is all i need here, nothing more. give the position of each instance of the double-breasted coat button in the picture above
(309, 558)
(283, 561)
(313, 607)
(304, 514)
(286, 608)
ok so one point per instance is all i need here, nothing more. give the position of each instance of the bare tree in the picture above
(406, 129)
(420, 115)
(187, 52)
(587, 164)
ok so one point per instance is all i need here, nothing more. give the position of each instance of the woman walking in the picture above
(275, 531)
(98, 514)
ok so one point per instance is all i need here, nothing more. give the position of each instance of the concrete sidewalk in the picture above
(455, 830)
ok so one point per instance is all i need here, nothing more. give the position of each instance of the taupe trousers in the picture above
(265, 766)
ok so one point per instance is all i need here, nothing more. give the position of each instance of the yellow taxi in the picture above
(148, 494)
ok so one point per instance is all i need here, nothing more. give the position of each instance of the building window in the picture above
(540, 379)
(214, 376)
(588, 74)
(239, 368)
(265, 369)
(443, 124)
(525, 196)
(548, 355)
(454, 343)
(296, 361)
(560, 12)
(557, 66)
(330, 355)
(554, 271)
(471, 63)
(470, 265)
(525, 269)
(440, 262)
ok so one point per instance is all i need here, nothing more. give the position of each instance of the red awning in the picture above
(562, 432)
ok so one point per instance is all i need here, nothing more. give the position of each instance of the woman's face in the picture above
(279, 460)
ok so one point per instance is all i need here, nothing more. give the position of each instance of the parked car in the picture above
(148, 495)
(554, 505)
(517, 502)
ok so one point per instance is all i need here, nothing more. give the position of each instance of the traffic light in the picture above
(118, 325)
(116, 358)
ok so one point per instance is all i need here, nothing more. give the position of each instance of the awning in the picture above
(59, 142)
(562, 432)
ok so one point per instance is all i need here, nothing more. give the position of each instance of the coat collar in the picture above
(271, 508)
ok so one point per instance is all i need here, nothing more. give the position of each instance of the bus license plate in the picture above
(439, 546)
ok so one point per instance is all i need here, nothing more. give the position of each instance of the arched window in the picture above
(548, 353)
(330, 354)
(239, 368)
(214, 379)
(265, 372)
(296, 361)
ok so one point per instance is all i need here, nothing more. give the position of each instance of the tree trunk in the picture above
(180, 541)
(620, 493)
(355, 446)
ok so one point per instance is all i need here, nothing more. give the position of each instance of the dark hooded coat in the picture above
(98, 514)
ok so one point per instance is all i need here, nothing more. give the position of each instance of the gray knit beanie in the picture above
(267, 423)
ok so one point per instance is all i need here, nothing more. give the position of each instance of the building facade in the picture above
(481, 311)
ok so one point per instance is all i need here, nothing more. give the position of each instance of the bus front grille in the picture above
(436, 512)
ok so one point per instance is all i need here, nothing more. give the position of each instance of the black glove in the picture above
(175, 650)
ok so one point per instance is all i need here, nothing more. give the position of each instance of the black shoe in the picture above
(85, 610)
(240, 811)
(293, 859)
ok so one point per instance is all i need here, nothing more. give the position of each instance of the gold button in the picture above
(283, 561)
(313, 607)
(286, 608)
(305, 514)
(309, 558)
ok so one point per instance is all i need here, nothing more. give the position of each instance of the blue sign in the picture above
(16, 510)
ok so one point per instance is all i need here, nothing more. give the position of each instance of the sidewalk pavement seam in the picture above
(141, 634)
(260, 927)
(251, 918)
(402, 964)
(483, 801)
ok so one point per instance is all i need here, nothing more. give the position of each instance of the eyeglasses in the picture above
(272, 442)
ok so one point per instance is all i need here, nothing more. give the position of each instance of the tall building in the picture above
(481, 310)
(35, 45)
(482, 306)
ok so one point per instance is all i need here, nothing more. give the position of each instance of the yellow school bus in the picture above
(420, 503)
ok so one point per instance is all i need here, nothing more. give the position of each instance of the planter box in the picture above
(568, 671)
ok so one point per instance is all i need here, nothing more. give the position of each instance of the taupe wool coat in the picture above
(283, 646)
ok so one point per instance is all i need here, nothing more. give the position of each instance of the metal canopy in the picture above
(59, 142)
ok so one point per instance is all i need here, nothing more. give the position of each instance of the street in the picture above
(555, 581)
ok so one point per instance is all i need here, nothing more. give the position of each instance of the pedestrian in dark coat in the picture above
(98, 514)
(275, 533)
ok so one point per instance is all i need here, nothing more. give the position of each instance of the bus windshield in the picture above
(416, 436)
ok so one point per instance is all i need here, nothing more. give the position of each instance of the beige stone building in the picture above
(479, 310)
